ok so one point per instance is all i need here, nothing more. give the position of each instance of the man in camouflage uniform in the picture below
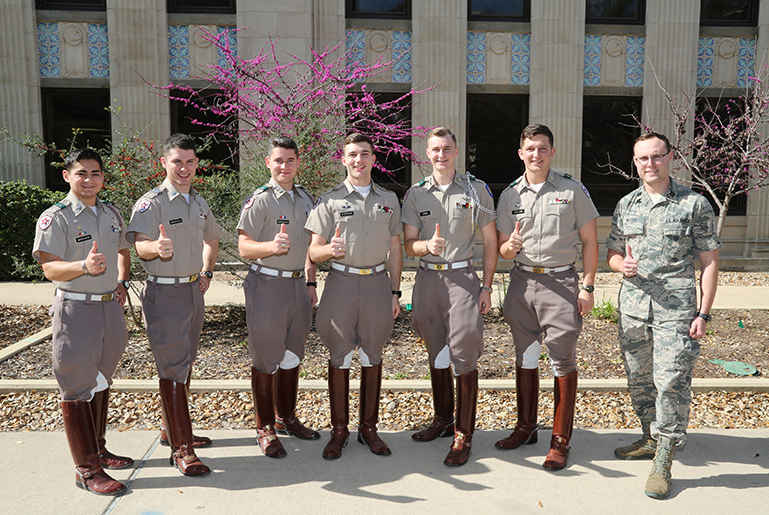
(657, 231)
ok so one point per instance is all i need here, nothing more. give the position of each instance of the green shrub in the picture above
(21, 204)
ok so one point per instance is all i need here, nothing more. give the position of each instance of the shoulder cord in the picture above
(476, 202)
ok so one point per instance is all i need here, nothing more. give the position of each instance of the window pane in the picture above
(72, 5)
(614, 11)
(729, 12)
(202, 6)
(65, 110)
(378, 7)
(608, 133)
(494, 125)
(497, 8)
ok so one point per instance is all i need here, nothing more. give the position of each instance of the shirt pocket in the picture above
(554, 216)
(676, 241)
(349, 221)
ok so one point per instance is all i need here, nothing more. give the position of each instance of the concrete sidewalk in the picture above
(721, 471)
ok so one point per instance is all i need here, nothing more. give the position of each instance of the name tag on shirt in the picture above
(424, 213)
(175, 221)
(346, 213)
(81, 239)
(517, 211)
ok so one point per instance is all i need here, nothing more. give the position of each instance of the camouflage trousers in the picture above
(659, 360)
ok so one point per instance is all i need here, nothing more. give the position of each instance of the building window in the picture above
(202, 6)
(729, 12)
(500, 10)
(492, 147)
(626, 12)
(399, 9)
(71, 5)
(188, 119)
(70, 110)
(608, 133)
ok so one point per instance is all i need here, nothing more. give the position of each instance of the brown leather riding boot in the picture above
(173, 397)
(370, 389)
(99, 408)
(197, 441)
(81, 435)
(467, 401)
(563, 421)
(286, 391)
(339, 399)
(261, 388)
(443, 401)
(527, 395)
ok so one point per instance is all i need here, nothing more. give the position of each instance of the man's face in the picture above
(85, 180)
(283, 164)
(536, 153)
(358, 158)
(180, 165)
(442, 152)
(652, 159)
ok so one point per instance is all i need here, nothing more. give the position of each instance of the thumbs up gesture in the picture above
(436, 244)
(630, 265)
(516, 241)
(165, 245)
(282, 242)
(338, 247)
(95, 262)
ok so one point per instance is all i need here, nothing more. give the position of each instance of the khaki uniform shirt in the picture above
(367, 225)
(188, 225)
(267, 210)
(426, 205)
(665, 234)
(69, 229)
(550, 219)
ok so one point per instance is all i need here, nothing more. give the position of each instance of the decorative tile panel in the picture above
(191, 50)
(98, 50)
(634, 63)
(592, 60)
(476, 57)
(48, 49)
(705, 53)
(229, 32)
(179, 51)
(725, 62)
(614, 60)
(366, 46)
(402, 56)
(72, 49)
(746, 63)
(521, 58)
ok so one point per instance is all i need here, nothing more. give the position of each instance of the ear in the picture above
(65, 175)
(267, 161)
(520, 154)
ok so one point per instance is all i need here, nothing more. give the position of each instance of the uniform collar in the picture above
(172, 192)
(279, 191)
(523, 182)
(430, 179)
(673, 194)
(350, 188)
(78, 206)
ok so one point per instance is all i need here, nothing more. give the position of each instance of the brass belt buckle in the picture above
(441, 267)
(539, 270)
(193, 278)
(106, 297)
(364, 271)
(296, 274)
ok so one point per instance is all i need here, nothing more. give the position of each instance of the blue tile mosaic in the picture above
(746, 62)
(401, 56)
(355, 47)
(520, 58)
(98, 50)
(476, 57)
(229, 32)
(634, 61)
(179, 51)
(592, 66)
(48, 49)
(705, 51)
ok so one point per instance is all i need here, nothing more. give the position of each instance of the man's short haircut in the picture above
(178, 140)
(357, 137)
(442, 132)
(283, 142)
(535, 129)
(652, 135)
(82, 154)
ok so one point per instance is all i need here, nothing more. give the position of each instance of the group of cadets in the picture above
(541, 218)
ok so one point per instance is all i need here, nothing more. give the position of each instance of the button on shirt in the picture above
(367, 225)
(70, 228)
(270, 208)
(550, 219)
(189, 225)
(665, 233)
(426, 205)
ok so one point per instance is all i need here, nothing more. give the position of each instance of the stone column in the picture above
(557, 77)
(328, 25)
(19, 90)
(439, 56)
(138, 44)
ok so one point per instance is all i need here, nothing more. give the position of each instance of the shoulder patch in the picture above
(489, 190)
(248, 203)
(45, 222)
(585, 190)
(144, 204)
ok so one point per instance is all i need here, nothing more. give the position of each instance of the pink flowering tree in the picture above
(315, 101)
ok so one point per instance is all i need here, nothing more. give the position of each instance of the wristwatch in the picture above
(487, 288)
(312, 283)
(398, 293)
(706, 318)
(588, 288)
(208, 274)
(126, 284)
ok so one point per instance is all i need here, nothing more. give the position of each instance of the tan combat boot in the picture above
(642, 449)
(658, 484)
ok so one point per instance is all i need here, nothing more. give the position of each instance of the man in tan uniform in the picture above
(541, 217)
(279, 299)
(175, 235)
(443, 210)
(356, 225)
(81, 245)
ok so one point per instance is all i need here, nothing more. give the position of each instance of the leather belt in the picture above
(358, 271)
(544, 269)
(172, 280)
(293, 274)
(456, 265)
(87, 297)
